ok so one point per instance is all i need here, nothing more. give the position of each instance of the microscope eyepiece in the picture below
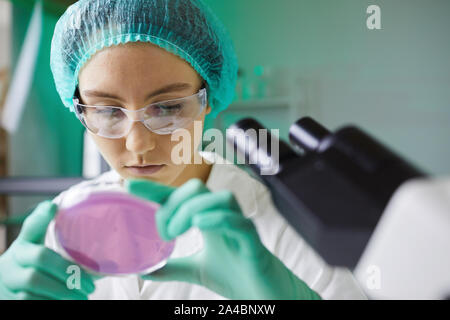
(307, 134)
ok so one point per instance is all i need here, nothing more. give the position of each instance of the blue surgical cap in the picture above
(187, 28)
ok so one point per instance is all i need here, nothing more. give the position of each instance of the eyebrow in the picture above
(180, 86)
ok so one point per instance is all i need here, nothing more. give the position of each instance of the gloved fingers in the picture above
(180, 222)
(238, 232)
(190, 189)
(40, 284)
(35, 226)
(184, 269)
(221, 219)
(51, 263)
(25, 295)
(149, 190)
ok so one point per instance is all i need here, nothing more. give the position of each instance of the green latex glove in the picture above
(233, 262)
(29, 270)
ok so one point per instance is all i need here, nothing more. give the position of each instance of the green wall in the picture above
(48, 141)
(393, 82)
(48, 135)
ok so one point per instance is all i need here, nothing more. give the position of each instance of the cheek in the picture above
(195, 134)
(196, 129)
(165, 146)
(110, 149)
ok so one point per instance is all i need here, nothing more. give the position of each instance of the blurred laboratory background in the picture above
(297, 58)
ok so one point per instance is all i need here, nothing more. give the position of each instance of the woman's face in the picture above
(126, 76)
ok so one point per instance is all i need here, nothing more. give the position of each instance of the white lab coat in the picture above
(255, 201)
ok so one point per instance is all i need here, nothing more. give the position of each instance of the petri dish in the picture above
(112, 233)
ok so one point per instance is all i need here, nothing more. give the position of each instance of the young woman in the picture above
(135, 72)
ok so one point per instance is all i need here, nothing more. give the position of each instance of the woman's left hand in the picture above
(233, 262)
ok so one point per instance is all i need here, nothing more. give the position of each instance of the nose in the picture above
(140, 140)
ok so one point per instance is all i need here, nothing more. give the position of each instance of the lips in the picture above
(145, 170)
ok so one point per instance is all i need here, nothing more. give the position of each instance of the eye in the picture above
(170, 107)
(161, 110)
(108, 113)
(111, 111)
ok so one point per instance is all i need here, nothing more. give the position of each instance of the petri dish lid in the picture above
(112, 233)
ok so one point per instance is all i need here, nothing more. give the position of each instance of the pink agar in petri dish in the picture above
(113, 233)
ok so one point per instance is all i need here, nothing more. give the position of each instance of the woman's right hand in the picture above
(29, 270)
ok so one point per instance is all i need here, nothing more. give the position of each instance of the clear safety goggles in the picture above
(161, 117)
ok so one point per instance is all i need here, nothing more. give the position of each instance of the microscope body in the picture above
(408, 254)
(335, 192)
